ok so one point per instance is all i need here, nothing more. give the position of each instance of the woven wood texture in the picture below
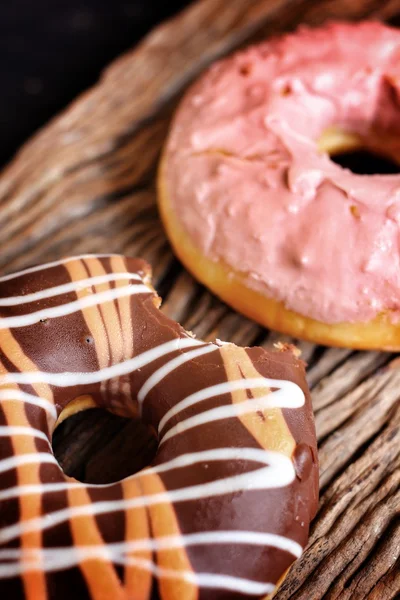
(85, 183)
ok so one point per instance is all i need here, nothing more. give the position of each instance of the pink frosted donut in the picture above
(259, 212)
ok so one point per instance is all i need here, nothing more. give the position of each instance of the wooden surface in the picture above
(86, 184)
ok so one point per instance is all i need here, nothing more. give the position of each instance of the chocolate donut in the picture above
(224, 508)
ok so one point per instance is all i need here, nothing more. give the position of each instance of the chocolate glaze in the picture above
(205, 537)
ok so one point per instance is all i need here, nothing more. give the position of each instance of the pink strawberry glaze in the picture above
(249, 186)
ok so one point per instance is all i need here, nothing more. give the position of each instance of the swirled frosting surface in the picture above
(249, 185)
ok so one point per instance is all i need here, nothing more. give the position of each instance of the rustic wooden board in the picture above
(86, 184)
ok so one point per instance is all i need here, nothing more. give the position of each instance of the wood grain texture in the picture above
(86, 184)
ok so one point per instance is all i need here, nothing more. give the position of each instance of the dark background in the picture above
(50, 50)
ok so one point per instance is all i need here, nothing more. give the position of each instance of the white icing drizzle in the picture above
(46, 488)
(71, 307)
(295, 400)
(56, 263)
(228, 412)
(67, 288)
(277, 472)
(170, 366)
(26, 459)
(167, 542)
(11, 431)
(13, 395)
(70, 379)
(204, 580)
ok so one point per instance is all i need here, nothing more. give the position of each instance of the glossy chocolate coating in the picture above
(225, 507)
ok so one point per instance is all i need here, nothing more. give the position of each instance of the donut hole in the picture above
(369, 155)
(365, 162)
(96, 446)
